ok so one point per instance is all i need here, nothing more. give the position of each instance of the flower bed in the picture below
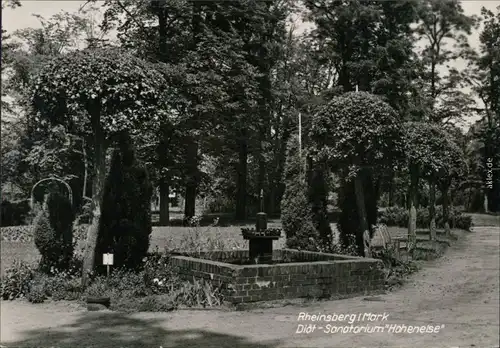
(252, 232)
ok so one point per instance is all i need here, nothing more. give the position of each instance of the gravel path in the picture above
(457, 293)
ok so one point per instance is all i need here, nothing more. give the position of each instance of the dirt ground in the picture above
(457, 293)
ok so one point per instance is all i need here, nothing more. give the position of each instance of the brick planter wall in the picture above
(308, 274)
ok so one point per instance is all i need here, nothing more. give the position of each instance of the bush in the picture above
(53, 233)
(398, 216)
(155, 288)
(296, 213)
(17, 281)
(14, 213)
(36, 293)
(85, 214)
(396, 271)
(125, 224)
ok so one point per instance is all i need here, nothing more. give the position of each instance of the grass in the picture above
(161, 237)
(173, 236)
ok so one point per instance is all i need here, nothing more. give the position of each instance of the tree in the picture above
(454, 168)
(353, 135)
(29, 150)
(125, 224)
(487, 86)
(369, 44)
(98, 93)
(430, 154)
(296, 212)
(216, 82)
(442, 21)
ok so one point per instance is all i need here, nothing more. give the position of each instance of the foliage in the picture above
(348, 248)
(396, 271)
(16, 282)
(353, 134)
(36, 286)
(53, 233)
(485, 134)
(17, 234)
(125, 224)
(71, 85)
(251, 232)
(296, 212)
(442, 22)
(356, 130)
(367, 44)
(398, 216)
(14, 213)
(36, 293)
(424, 145)
(131, 291)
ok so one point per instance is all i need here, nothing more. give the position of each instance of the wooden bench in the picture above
(386, 242)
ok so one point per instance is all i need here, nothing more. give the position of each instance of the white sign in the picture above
(107, 259)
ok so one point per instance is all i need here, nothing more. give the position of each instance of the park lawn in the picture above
(165, 237)
(161, 237)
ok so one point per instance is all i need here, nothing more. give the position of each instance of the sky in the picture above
(22, 17)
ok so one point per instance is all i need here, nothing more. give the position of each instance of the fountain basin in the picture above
(290, 274)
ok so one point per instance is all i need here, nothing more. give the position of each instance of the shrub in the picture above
(396, 271)
(125, 224)
(14, 213)
(155, 288)
(350, 249)
(36, 293)
(85, 214)
(17, 280)
(398, 216)
(296, 213)
(197, 293)
(53, 233)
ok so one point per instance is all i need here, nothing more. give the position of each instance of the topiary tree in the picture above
(97, 93)
(430, 154)
(296, 213)
(357, 135)
(454, 169)
(53, 232)
(125, 224)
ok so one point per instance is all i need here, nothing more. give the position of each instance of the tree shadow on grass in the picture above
(110, 329)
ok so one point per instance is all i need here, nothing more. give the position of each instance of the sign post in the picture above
(107, 260)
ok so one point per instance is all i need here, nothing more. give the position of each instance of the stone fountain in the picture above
(261, 238)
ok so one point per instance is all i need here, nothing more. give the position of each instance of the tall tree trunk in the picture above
(193, 177)
(412, 216)
(100, 148)
(164, 202)
(276, 189)
(391, 188)
(241, 182)
(261, 178)
(446, 209)
(192, 147)
(432, 209)
(360, 203)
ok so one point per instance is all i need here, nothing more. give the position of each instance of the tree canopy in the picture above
(111, 83)
(356, 129)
